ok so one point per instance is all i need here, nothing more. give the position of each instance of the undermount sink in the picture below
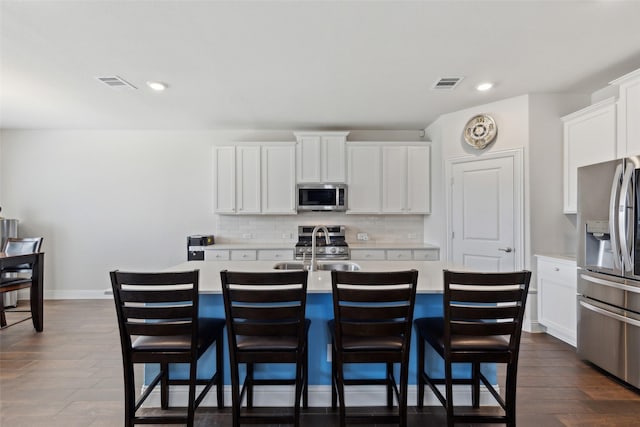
(332, 265)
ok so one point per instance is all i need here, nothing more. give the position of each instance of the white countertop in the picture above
(291, 245)
(391, 245)
(565, 257)
(429, 273)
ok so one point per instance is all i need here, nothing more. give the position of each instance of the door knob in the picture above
(507, 250)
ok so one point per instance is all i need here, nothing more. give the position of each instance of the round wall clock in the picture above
(480, 130)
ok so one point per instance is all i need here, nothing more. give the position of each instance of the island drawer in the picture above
(275, 255)
(216, 255)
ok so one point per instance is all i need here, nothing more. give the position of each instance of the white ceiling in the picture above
(297, 64)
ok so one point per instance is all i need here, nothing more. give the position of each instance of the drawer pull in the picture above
(556, 269)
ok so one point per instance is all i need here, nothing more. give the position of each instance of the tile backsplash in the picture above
(284, 228)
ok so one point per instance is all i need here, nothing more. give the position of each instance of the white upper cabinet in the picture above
(629, 114)
(255, 179)
(278, 179)
(321, 157)
(406, 179)
(364, 195)
(389, 178)
(224, 164)
(248, 180)
(589, 137)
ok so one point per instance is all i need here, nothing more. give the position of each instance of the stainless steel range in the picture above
(337, 248)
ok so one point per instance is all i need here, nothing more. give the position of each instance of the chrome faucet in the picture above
(314, 262)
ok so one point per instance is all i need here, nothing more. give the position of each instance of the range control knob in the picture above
(341, 250)
(333, 250)
(320, 250)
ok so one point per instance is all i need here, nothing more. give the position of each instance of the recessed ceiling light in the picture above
(484, 86)
(157, 86)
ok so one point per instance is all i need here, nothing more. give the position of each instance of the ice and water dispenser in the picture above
(598, 245)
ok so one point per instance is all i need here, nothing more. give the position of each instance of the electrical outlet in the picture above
(362, 236)
(329, 353)
(412, 236)
(287, 235)
(247, 236)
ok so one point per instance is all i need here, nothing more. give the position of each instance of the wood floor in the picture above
(71, 375)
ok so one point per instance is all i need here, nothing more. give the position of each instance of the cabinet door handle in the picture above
(556, 269)
(507, 249)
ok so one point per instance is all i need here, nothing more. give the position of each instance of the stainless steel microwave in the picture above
(322, 197)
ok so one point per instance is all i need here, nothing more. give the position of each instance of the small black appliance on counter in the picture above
(194, 246)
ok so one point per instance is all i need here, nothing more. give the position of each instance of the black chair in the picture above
(373, 315)
(482, 324)
(158, 321)
(19, 277)
(266, 323)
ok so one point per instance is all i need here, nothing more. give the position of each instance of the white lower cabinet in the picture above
(368, 254)
(243, 255)
(395, 254)
(275, 254)
(216, 255)
(557, 297)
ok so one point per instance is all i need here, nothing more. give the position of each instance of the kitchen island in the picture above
(320, 310)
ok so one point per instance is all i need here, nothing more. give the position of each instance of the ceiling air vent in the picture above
(116, 82)
(447, 83)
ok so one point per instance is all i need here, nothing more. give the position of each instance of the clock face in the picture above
(480, 131)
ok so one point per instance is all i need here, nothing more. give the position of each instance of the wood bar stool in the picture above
(373, 314)
(266, 323)
(482, 323)
(159, 323)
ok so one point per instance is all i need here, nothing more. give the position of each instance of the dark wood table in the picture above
(36, 260)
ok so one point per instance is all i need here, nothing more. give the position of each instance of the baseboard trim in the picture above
(320, 396)
(77, 294)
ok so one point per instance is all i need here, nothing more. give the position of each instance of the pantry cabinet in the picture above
(589, 137)
(321, 157)
(254, 179)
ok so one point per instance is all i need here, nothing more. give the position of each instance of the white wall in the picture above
(128, 199)
(511, 116)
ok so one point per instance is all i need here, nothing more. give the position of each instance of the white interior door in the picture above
(485, 215)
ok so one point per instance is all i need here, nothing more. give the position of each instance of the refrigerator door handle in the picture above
(613, 205)
(623, 216)
(616, 316)
(597, 280)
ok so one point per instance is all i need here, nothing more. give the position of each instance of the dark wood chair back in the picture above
(265, 308)
(156, 305)
(19, 246)
(484, 305)
(376, 306)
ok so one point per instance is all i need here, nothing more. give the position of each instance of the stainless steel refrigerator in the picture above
(609, 267)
